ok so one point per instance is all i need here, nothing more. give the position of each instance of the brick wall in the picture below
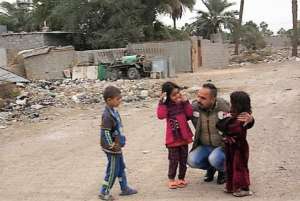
(214, 54)
(21, 41)
(25, 41)
(278, 41)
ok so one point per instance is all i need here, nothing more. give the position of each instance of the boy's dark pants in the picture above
(178, 156)
(115, 168)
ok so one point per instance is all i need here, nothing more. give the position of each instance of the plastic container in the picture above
(160, 64)
(102, 72)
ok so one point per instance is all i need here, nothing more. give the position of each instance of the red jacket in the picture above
(183, 112)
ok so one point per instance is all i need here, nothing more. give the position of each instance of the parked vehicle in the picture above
(131, 67)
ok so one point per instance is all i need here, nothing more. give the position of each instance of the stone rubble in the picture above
(262, 56)
(37, 96)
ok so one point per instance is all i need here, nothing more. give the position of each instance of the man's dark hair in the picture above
(240, 102)
(213, 89)
(111, 92)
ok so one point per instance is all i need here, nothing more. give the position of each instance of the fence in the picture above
(179, 51)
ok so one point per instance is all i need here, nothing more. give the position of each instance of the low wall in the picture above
(50, 65)
(95, 57)
(278, 41)
(214, 54)
(3, 57)
(25, 41)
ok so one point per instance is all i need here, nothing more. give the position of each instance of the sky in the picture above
(277, 13)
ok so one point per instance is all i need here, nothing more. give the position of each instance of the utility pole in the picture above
(238, 29)
(295, 28)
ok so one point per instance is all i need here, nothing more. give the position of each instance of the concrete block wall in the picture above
(22, 41)
(3, 57)
(49, 66)
(3, 29)
(214, 55)
(25, 41)
(85, 72)
(278, 41)
(180, 51)
(95, 57)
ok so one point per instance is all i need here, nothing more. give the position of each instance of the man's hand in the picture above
(245, 117)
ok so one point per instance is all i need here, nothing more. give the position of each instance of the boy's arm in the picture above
(106, 129)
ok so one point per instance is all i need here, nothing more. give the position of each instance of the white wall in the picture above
(3, 57)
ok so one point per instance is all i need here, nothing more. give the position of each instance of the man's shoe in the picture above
(128, 191)
(221, 178)
(209, 177)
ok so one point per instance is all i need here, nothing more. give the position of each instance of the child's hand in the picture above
(245, 117)
(163, 97)
(183, 97)
(115, 147)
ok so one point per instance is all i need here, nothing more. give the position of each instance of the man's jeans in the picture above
(204, 157)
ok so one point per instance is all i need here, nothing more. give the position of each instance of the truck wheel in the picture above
(113, 75)
(133, 73)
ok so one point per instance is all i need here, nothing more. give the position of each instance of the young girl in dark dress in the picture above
(236, 145)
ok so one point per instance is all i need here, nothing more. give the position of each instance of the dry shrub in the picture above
(8, 91)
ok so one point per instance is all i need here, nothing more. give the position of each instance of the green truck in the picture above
(131, 67)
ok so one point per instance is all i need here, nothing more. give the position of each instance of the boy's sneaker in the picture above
(128, 191)
(106, 197)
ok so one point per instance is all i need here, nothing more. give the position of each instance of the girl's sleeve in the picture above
(235, 129)
(162, 111)
(250, 125)
(188, 109)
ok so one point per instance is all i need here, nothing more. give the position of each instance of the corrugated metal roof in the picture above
(43, 50)
(7, 76)
(31, 33)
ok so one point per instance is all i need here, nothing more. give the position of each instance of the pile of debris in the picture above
(29, 100)
(262, 56)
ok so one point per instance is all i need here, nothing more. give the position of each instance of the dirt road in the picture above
(60, 159)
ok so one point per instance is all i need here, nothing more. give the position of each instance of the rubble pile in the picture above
(262, 56)
(34, 97)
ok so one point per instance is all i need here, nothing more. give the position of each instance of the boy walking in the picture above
(112, 141)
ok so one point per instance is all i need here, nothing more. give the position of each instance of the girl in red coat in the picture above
(236, 145)
(176, 109)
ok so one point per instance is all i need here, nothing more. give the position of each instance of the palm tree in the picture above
(238, 29)
(211, 21)
(176, 8)
(17, 18)
(295, 28)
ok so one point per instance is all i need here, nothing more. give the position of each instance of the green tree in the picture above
(264, 27)
(97, 23)
(282, 31)
(212, 21)
(42, 12)
(16, 18)
(252, 38)
(176, 8)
